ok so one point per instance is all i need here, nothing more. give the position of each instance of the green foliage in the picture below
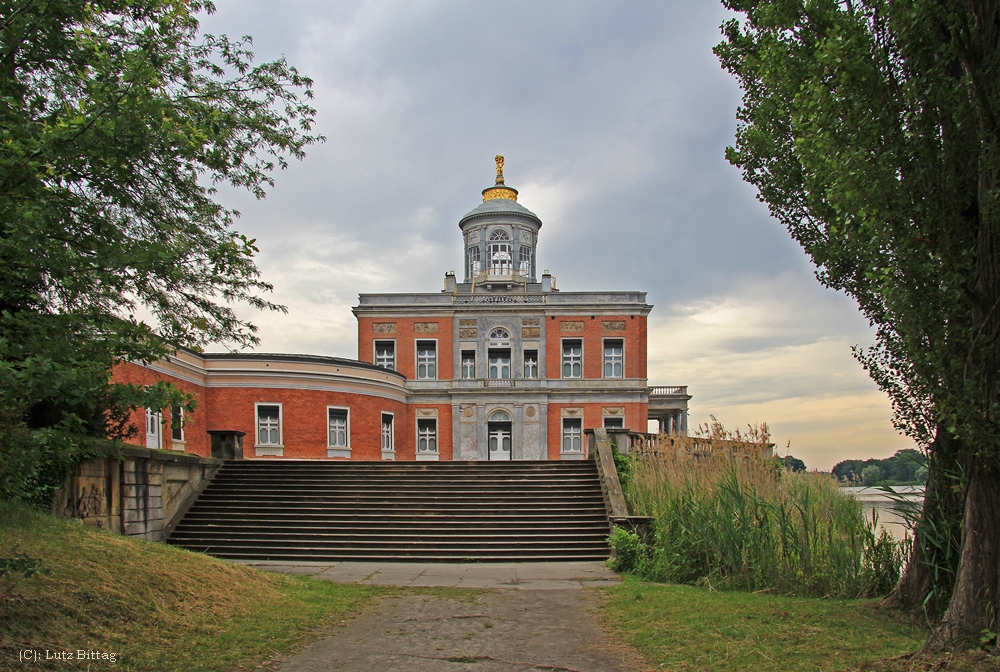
(623, 465)
(871, 475)
(900, 469)
(627, 550)
(21, 564)
(862, 127)
(116, 118)
(796, 534)
(793, 463)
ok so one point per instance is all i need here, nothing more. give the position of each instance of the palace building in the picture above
(501, 365)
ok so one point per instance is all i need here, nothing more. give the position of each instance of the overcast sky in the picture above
(613, 118)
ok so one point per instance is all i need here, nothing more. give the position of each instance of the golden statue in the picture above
(499, 190)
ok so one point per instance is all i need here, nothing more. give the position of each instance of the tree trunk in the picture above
(973, 604)
(929, 575)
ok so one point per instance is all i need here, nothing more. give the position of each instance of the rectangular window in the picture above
(468, 364)
(572, 435)
(474, 265)
(524, 259)
(154, 429)
(614, 423)
(177, 424)
(531, 364)
(387, 433)
(427, 436)
(385, 354)
(268, 425)
(499, 364)
(572, 359)
(614, 359)
(426, 360)
(337, 419)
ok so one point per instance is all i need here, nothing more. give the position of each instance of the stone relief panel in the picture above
(571, 412)
(466, 332)
(530, 413)
(468, 323)
(427, 412)
(425, 327)
(573, 327)
(530, 321)
(467, 413)
(613, 325)
(531, 332)
(384, 327)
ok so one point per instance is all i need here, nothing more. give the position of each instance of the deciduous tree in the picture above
(870, 128)
(117, 120)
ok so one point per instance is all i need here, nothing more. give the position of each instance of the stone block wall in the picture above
(140, 495)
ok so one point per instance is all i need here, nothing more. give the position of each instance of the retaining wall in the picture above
(140, 495)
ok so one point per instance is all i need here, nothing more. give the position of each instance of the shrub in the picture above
(627, 551)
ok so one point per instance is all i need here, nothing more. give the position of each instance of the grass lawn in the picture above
(689, 628)
(155, 606)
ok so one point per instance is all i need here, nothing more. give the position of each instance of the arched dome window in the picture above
(500, 255)
(499, 334)
(499, 416)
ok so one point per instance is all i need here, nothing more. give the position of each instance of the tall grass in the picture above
(735, 519)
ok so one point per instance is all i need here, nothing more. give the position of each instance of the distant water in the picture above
(875, 499)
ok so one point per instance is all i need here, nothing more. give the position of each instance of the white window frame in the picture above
(524, 259)
(498, 365)
(388, 448)
(474, 260)
(428, 436)
(464, 370)
(416, 358)
(177, 425)
(276, 449)
(395, 352)
(604, 357)
(154, 419)
(347, 427)
(572, 433)
(563, 361)
(525, 367)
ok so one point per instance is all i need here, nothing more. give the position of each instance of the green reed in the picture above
(736, 520)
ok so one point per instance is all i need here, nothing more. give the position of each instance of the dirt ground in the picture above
(479, 631)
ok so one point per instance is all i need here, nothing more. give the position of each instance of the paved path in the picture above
(533, 616)
(523, 576)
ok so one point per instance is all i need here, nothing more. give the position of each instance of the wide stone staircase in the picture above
(396, 511)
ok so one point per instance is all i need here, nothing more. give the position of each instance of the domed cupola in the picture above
(501, 237)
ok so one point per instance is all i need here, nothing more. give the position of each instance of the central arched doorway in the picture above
(499, 439)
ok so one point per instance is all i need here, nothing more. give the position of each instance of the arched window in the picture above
(499, 334)
(500, 259)
(499, 416)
